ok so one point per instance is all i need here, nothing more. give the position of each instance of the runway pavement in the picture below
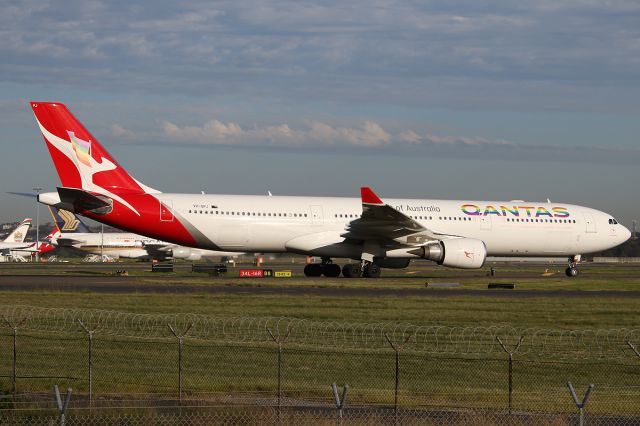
(123, 285)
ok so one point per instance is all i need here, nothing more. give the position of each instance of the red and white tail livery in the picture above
(95, 185)
(375, 233)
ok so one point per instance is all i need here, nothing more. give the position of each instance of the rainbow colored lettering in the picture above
(514, 211)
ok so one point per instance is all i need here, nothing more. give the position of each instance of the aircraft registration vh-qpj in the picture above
(375, 233)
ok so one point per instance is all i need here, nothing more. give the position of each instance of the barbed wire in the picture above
(431, 339)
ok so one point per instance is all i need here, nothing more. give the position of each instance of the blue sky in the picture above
(465, 99)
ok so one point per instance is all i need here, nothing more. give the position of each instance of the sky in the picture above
(493, 100)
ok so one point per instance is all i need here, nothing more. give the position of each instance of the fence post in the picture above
(279, 342)
(396, 348)
(90, 333)
(14, 375)
(580, 404)
(180, 338)
(62, 407)
(515, 349)
(340, 402)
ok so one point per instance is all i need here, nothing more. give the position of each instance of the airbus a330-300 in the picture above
(374, 233)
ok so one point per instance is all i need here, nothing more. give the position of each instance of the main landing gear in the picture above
(350, 270)
(572, 270)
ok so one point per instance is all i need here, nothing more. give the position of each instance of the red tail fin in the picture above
(79, 158)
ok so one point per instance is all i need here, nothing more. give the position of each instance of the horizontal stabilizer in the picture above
(77, 200)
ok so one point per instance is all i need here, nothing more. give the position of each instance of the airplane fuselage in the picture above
(269, 223)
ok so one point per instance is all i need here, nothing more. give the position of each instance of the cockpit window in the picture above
(613, 222)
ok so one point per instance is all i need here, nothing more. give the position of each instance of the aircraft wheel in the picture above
(571, 272)
(351, 270)
(371, 270)
(331, 270)
(313, 270)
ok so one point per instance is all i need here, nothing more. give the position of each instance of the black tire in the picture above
(571, 272)
(331, 270)
(351, 270)
(313, 270)
(371, 270)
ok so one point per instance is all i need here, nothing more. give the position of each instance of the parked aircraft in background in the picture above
(15, 239)
(75, 234)
(15, 246)
(373, 232)
(43, 247)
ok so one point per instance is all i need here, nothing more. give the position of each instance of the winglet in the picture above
(369, 197)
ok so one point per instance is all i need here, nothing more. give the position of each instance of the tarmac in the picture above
(124, 285)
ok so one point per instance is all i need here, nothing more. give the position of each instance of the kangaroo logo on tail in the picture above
(79, 151)
(81, 148)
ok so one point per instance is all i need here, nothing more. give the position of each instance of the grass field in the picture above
(564, 312)
(138, 367)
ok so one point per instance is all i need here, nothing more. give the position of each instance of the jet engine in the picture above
(186, 253)
(463, 253)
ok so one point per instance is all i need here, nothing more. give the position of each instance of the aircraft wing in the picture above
(158, 247)
(29, 249)
(68, 242)
(383, 223)
(6, 249)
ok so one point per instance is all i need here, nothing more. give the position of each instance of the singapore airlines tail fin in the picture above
(18, 235)
(80, 160)
(67, 221)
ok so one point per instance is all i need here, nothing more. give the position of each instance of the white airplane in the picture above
(75, 234)
(42, 247)
(376, 234)
(15, 240)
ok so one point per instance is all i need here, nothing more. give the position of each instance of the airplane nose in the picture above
(626, 234)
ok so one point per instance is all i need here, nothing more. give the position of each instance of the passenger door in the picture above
(590, 224)
(316, 216)
(166, 211)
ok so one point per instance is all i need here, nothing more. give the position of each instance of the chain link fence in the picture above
(173, 369)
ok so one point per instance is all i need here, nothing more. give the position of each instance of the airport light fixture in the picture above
(37, 191)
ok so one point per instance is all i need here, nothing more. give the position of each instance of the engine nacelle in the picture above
(464, 253)
(186, 253)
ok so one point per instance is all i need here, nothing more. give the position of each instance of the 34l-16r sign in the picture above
(255, 273)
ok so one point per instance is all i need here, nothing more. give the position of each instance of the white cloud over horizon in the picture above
(368, 137)
(548, 89)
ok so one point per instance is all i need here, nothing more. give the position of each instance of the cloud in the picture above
(214, 132)
(408, 53)
(370, 138)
